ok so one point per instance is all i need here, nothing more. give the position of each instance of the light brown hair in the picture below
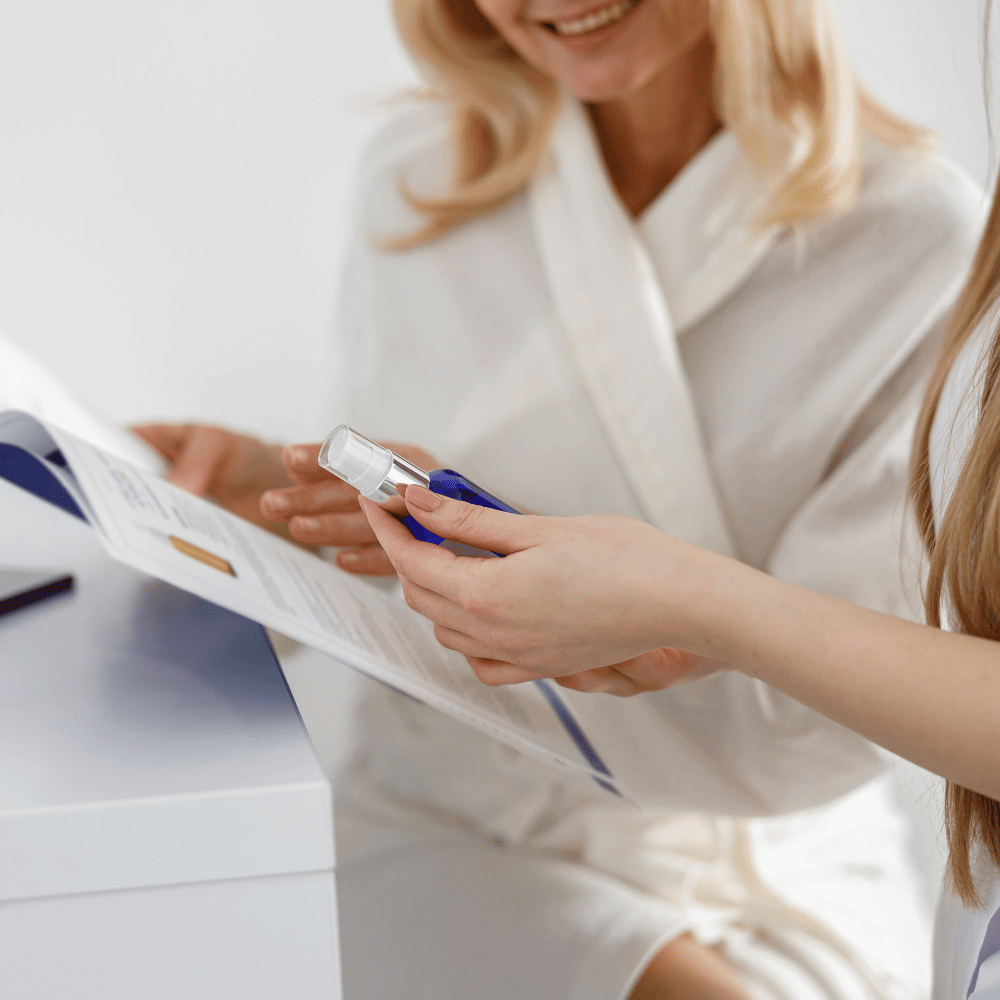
(783, 84)
(964, 552)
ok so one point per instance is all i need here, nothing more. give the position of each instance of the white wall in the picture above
(174, 180)
(923, 58)
(173, 185)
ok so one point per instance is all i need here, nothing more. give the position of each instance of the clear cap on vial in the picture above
(353, 458)
(372, 470)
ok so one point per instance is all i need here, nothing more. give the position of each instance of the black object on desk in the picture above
(21, 587)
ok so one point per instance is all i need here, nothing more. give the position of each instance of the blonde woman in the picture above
(664, 259)
(608, 598)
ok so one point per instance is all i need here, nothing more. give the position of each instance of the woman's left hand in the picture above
(581, 600)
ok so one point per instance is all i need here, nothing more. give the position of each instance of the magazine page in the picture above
(162, 530)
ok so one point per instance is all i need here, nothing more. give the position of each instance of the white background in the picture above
(174, 181)
(174, 185)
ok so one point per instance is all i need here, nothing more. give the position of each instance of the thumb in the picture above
(482, 527)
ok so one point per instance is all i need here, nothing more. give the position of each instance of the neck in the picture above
(649, 135)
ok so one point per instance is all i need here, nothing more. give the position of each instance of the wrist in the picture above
(712, 603)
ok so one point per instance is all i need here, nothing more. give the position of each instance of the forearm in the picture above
(932, 697)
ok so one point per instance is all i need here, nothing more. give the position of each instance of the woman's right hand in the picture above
(600, 603)
(233, 469)
(321, 509)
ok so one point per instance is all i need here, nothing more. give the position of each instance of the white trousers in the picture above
(439, 900)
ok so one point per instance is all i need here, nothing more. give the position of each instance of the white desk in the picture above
(165, 827)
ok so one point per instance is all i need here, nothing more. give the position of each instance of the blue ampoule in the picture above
(376, 471)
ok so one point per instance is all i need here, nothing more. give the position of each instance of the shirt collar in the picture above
(701, 231)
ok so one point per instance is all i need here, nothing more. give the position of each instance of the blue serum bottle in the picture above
(376, 471)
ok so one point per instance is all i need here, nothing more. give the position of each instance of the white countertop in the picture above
(146, 736)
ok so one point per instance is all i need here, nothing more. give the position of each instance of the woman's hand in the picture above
(323, 510)
(652, 671)
(578, 599)
(231, 468)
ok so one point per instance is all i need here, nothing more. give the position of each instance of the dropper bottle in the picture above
(376, 472)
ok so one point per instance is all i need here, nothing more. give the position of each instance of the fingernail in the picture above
(348, 558)
(276, 501)
(296, 455)
(417, 496)
(308, 524)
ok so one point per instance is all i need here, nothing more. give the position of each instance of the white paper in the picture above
(162, 530)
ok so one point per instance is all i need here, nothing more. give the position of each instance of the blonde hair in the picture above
(964, 553)
(783, 84)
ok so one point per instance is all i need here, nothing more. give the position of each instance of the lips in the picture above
(592, 21)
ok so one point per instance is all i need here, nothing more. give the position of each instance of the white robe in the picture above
(960, 957)
(748, 389)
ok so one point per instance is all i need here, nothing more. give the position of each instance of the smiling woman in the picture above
(782, 83)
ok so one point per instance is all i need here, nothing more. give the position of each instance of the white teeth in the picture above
(598, 19)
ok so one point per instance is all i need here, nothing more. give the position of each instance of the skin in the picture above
(609, 604)
(647, 83)
(646, 80)
(211, 461)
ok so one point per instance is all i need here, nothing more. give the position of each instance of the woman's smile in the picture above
(600, 50)
(593, 20)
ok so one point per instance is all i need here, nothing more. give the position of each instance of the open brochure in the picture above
(153, 526)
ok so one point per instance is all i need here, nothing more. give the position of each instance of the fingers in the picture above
(457, 578)
(165, 438)
(428, 566)
(661, 668)
(331, 529)
(392, 534)
(652, 671)
(494, 673)
(368, 560)
(494, 530)
(467, 646)
(601, 680)
(327, 497)
(301, 462)
(446, 613)
(201, 456)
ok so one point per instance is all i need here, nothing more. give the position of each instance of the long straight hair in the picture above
(964, 553)
(783, 84)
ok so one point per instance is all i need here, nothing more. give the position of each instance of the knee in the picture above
(685, 970)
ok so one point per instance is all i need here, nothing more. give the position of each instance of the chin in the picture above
(607, 84)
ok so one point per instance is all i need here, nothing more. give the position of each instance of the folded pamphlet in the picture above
(159, 529)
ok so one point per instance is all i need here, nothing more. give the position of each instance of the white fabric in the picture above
(959, 932)
(958, 939)
(26, 385)
(749, 389)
